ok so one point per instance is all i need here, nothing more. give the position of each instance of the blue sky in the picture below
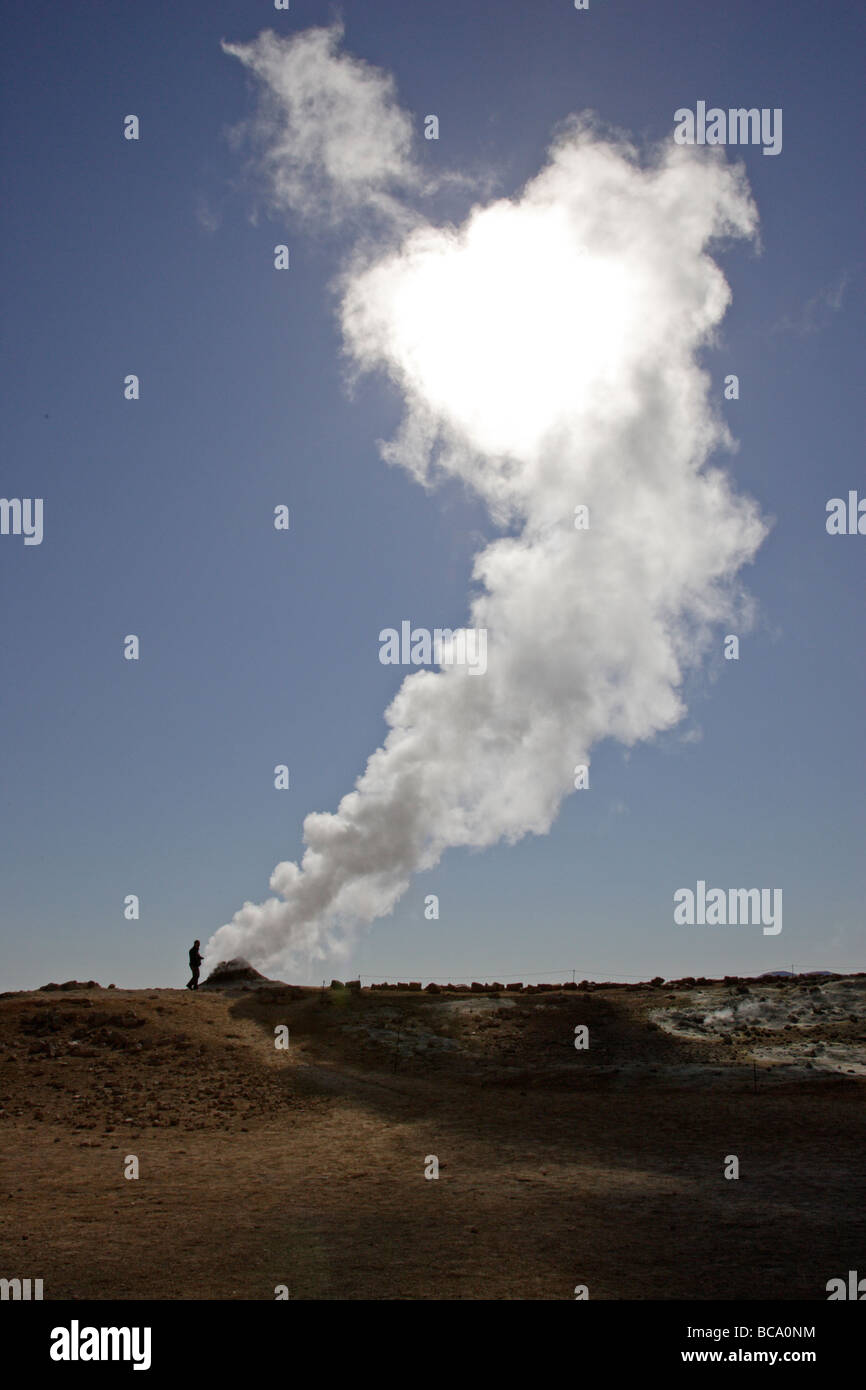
(258, 648)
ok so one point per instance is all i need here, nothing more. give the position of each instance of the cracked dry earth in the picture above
(305, 1167)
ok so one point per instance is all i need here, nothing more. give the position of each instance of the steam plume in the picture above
(548, 354)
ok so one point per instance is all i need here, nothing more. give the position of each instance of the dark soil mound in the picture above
(234, 972)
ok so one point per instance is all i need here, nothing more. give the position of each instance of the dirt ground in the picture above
(262, 1167)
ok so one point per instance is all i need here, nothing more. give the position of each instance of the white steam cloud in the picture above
(547, 351)
(335, 140)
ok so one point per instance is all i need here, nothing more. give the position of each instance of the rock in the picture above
(72, 984)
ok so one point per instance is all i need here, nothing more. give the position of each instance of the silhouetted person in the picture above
(194, 965)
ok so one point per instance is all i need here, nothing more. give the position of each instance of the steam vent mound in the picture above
(234, 973)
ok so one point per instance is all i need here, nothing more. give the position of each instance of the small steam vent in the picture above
(234, 973)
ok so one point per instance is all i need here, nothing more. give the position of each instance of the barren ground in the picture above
(557, 1167)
